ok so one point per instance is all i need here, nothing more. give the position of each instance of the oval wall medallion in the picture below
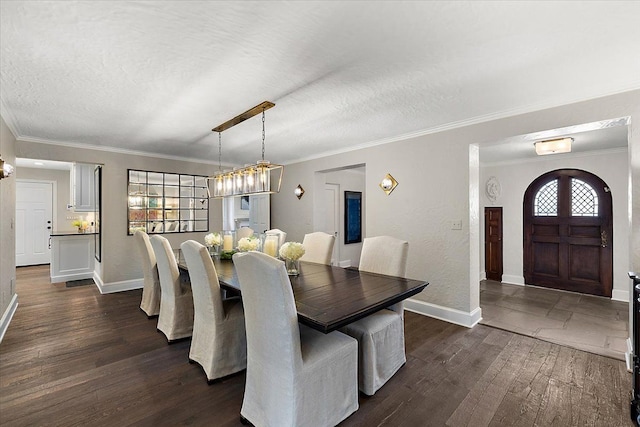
(493, 189)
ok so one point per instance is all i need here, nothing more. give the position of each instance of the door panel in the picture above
(34, 203)
(332, 218)
(493, 243)
(569, 247)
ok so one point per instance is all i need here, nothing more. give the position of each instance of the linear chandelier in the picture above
(262, 178)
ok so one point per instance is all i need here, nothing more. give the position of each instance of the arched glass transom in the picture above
(584, 199)
(546, 200)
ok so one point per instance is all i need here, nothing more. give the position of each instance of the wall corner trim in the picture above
(8, 315)
(513, 280)
(110, 288)
(620, 295)
(451, 315)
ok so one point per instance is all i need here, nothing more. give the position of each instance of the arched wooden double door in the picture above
(568, 232)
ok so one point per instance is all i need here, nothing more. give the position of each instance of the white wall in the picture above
(8, 299)
(514, 178)
(120, 267)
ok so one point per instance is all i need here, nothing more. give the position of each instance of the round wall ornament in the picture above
(493, 189)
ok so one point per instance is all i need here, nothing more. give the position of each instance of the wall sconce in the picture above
(553, 146)
(5, 169)
(388, 184)
(299, 192)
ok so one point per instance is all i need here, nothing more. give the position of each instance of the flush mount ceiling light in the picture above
(299, 191)
(5, 169)
(553, 146)
(261, 178)
(388, 184)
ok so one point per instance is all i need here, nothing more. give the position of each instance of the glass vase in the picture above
(293, 266)
(214, 250)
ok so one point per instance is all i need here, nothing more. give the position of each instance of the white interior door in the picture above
(34, 203)
(332, 218)
(260, 212)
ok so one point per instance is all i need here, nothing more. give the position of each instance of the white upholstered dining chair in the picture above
(318, 247)
(244, 232)
(219, 343)
(150, 303)
(176, 302)
(381, 334)
(296, 376)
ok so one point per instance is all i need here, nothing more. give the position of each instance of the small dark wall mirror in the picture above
(352, 217)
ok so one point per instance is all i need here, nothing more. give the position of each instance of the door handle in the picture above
(603, 239)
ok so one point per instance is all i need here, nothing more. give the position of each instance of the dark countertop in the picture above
(70, 233)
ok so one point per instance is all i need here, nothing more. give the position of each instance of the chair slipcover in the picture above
(244, 232)
(176, 303)
(296, 376)
(282, 236)
(150, 303)
(380, 335)
(318, 247)
(219, 342)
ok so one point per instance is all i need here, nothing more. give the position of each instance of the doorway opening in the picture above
(329, 209)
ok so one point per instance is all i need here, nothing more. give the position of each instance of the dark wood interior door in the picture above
(493, 243)
(568, 233)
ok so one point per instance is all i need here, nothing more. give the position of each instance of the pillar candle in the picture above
(227, 243)
(270, 247)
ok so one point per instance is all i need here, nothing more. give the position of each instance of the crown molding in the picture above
(9, 118)
(119, 151)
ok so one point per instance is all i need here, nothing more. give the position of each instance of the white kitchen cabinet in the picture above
(82, 188)
(72, 256)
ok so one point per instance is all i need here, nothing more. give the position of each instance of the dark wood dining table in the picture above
(327, 297)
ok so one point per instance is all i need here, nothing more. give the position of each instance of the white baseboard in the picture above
(483, 275)
(70, 277)
(345, 264)
(628, 356)
(513, 280)
(620, 295)
(125, 285)
(447, 314)
(8, 315)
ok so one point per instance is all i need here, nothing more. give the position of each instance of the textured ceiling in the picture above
(156, 76)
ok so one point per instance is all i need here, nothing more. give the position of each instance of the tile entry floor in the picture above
(589, 323)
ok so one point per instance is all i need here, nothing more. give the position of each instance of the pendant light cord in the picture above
(219, 151)
(263, 134)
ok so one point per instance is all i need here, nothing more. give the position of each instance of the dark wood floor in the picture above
(74, 357)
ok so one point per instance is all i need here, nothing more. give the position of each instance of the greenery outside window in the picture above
(166, 202)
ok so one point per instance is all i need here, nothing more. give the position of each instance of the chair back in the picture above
(384, 255)
(244, 232)
(318, 247)
(167, 267)
(273, 334)
(282, 236)
(149, 265)
(207, 300)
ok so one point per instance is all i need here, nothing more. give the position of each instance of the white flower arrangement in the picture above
(213, 239)
(247, 244)
(291, 251)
